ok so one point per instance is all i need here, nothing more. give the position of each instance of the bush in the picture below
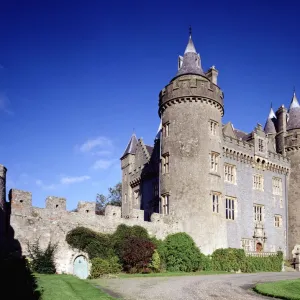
(137, 253)
(155, 262)
(160, 247)
(93, 243)
(181, 253)
(105, 266)
(263, 264)
(229, 259)
(42, 261)
(123, 233)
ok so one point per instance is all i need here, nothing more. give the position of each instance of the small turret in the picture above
(190, 63)
(270, 126)
(130, 149)
(294, 114)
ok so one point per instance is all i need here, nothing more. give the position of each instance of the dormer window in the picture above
(260, 145)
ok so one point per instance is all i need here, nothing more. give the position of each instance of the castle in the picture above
(224, 187)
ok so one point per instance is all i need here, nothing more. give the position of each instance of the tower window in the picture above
(258, 213)
(165, 202)
(260, 145)
(213, 126)
(165, 163)
(165, 129)
(229, 173)
(214, 161)
(155, 189)
(258, 182)
(230, 208)
(137, 196)
(215, 202)
(278, 221)
(277, 186)
(125, 198)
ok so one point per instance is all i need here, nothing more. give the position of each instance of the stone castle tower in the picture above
(188, 106)
(288, 144)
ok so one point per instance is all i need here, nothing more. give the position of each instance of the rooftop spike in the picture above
(294, 102)
(131, 147)
(190, 46)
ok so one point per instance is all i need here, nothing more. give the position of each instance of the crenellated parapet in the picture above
(191, 88)
(292, 140)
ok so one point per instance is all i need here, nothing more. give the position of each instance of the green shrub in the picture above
(181, 253)
(104, 266)
(155, 262)
(93, 243)
(263, 264)
(42, 261)
(229, 259)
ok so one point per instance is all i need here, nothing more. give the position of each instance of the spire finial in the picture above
(190, 30)
(271, 105)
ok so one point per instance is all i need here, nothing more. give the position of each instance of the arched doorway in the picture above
(259, 247)
(80, 268)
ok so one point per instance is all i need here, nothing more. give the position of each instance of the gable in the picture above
(141, 154)
(228, 130)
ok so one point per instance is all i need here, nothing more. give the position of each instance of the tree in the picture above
(114, 197)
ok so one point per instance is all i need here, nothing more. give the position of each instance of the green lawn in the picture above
(285, 289)
(67, 287)
(169, 274)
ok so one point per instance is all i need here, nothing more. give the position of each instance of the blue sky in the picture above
(77, 77)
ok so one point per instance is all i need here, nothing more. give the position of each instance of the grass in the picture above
(285, 289)
(67, 287)
(169, 274)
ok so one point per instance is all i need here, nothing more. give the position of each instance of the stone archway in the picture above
(259, 247)
(80, 267)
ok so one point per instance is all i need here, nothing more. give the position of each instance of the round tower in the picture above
(292, 148)
(191, 108)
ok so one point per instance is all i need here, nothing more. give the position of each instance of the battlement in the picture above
(20, 200)
(56, 203)
(191, 88)
(292, 140)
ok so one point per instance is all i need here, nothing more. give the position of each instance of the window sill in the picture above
(215, 174)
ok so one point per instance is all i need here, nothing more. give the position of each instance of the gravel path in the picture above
(231, 286)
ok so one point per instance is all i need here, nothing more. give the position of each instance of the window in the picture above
(246, 244)
(214, 161)
(165, 200)
(258, 183)
(165, 129)
(213, 126)
(229, 173)
(281, 203)
(278, 221)
(215, 202)
(258, 213)
(125, 200)
(277, 186)
(165, 163)
(260, 145)
(230, 208)
(137, 196)
(155, 189)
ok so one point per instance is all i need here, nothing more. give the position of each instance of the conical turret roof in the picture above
(191, 62)
(294, 114)
(270, 123)
(131, 147)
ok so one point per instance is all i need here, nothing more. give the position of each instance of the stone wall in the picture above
(54, 222)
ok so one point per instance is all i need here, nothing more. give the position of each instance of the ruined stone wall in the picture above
(54, 222)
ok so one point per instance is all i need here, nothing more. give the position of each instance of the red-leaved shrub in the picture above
(137, 253)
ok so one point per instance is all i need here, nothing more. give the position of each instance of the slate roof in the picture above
(191, 63)
(131, 147)
(294, 114)
(149, 149)
(270, 123)
(240, 135)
